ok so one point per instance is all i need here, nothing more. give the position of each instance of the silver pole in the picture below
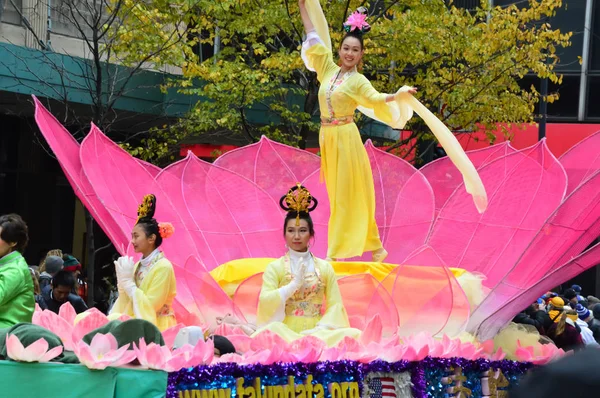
(585, 55)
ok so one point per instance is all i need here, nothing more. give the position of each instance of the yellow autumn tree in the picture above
(467, 64)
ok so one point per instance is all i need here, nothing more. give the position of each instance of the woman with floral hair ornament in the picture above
(147, 288)
(298, 285)
(345, 164)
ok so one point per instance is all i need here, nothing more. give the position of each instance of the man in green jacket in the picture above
(17, 302)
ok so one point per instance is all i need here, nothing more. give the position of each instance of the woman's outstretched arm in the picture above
(308, 25)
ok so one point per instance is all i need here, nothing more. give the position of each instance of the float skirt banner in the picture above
(56, 380)
(431, 377)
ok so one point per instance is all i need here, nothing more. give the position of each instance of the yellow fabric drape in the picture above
(231, 274)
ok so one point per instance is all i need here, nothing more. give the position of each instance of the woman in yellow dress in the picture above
(298, 285)
(345, 165)
(147, 288)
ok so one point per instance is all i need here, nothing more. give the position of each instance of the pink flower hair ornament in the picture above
(357, 21)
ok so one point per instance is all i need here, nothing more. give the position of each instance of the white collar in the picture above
(146, 261)
(299, 256)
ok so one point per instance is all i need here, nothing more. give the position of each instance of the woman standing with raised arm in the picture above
(345, 164)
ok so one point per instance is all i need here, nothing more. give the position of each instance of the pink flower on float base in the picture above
(35, 352)
(155, 356)
(548, 353)
(103, 352)
(152, 356)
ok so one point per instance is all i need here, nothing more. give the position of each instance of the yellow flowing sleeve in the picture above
(271, 307)
(318, 58)
(155, 291)
(366, 96)
(335, 314)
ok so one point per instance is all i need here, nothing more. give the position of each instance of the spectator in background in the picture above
(536, 316)
(73, 265)
(37, 291)
(53, 252)
(563, 330)
(59, 292)
(571, 297)
(577, 290)
(586, 334)
(574, 376)
(53, 264)
(593, 324)
(592, 300)
(16, 287)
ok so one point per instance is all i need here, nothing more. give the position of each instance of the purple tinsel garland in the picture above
(206, 374)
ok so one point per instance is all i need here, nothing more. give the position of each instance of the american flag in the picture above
(382, 387)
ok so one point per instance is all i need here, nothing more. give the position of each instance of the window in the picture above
(595, 45)
(593, 97)
(9, 13)
(567, 105)
(568, 102)
(466, 4)
(72, 17)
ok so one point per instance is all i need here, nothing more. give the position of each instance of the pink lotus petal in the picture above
(175, 363)
(35, 351)
(67, 152)
(499, 355)
(126, 357)
(373, 331)
(350, 344)
(204, 352)
(267, 339)
(445, 178)
(57, 325)
(241, 342)
(232, 358)
(102, 344)
(404, 207)
(581, 161)
(253, 357)
(51, 354)
(67, 312)
(332, 354)
(488, 346)
(93, 320)
(14, 348)
(115, 354)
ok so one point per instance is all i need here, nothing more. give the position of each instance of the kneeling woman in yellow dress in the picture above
(298, 286)
(147, 288)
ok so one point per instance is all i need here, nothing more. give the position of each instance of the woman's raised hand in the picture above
(301, 3)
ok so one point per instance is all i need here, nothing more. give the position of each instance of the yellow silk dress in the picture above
(154, 296)
(345, 164)
(317, 308)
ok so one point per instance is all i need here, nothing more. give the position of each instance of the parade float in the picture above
(431, 314)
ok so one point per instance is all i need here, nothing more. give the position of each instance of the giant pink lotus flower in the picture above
(103, 352)
(35, 352)
(542, 214)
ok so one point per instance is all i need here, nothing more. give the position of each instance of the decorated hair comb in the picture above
(147, 209)
(298, 199)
